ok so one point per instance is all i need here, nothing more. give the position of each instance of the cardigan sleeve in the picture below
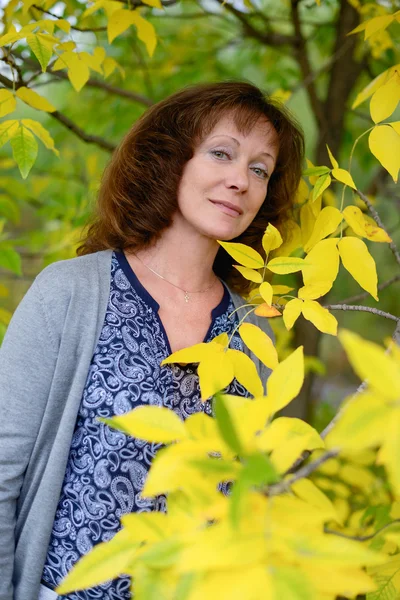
(27, 361)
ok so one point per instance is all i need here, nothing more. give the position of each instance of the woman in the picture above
(214, 161)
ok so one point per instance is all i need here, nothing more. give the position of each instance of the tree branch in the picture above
(305, 471)
(375, 311)
(90, 139)
(362, 538)
(269, 38)
(116, 91)
(378, 221)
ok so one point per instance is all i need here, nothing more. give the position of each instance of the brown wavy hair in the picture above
(138, 192)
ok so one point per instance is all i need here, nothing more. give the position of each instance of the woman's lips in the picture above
(228, 208)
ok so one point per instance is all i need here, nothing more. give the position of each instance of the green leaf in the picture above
(225, 424)
(42, 47)
(10, 259)
(322, 183)
(8, 130)
(25, 150)
(316, 171)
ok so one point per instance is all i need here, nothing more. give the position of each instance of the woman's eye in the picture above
(220, 153)
(260, 172)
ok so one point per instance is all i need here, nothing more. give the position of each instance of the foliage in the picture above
(302, 505)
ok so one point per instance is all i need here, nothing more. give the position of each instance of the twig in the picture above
(269, 39)
(378, 221)
(381, 286)
(361, 538)
(109, 88)
(90, 139)
(283, 486)
(375, 311)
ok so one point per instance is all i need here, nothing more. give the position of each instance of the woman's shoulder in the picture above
(84, 271)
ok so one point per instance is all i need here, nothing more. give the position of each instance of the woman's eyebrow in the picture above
(262, 153)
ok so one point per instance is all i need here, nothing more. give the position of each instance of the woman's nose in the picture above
(237, 178)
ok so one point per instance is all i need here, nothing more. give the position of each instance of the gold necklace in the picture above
(186, 292)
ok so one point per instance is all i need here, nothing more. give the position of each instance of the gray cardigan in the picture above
(44, 362)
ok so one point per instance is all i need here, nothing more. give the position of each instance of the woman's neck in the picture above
(185, 261)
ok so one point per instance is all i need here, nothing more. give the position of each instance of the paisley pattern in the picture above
(106, 469)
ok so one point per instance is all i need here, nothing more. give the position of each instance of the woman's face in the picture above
(225, 182)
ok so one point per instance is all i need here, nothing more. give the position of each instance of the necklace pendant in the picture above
(186, 297)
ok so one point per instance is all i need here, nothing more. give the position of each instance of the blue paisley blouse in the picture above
(106, 469)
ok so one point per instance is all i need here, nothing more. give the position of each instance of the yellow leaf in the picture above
(371, 362)
(106, 560)
(344, 177)
(389, 454)
(307, 220)
(215, 373)
(266, 292)
(193, 354)
(308, 491)
(222, 339)
(118, 22)
(322, 183)
(333, 160)
(78, 71)
(361, 424)
(292, 312)
(42, 133)
(293, 240)
(288, 438)
(64, 25)
(359, 263)
(153, 3)
(8, 102)
(302, 192)
(314, 290)
(94, 61)
(246, 256)
(323, 262)
(33, 99)
(385, 99)
(272, 239)
(281, 289)
(384, 144)
(249, 274)
(66, 47)
(376, 24)
(286, 380)
(355, 219)
(327, 222)
(374, 85)
(260, 344)
(245, 372)
(146, 526)
(286, 264)
(319, 316)
(152, 423)
(264, 310)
